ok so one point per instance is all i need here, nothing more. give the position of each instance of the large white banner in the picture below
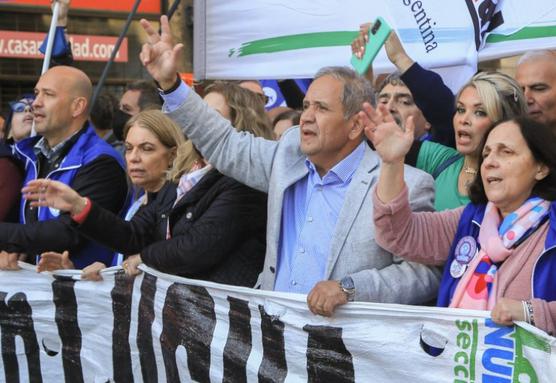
(161, 328)
(292, 39)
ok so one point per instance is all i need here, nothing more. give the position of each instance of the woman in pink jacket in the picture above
(499, 251)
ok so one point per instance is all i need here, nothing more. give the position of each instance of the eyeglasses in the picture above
(21, 106)
(264, 97)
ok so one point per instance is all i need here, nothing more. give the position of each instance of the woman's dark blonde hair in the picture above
(246, 109)
(247, 115)
(186, 157)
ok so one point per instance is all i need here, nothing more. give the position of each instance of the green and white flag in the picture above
(292, 39)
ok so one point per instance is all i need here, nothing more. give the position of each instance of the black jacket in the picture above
(217, 230)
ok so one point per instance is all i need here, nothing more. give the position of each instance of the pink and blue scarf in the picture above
(475, 288)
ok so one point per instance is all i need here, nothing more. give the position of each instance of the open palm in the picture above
(391, 141)
(45, 192)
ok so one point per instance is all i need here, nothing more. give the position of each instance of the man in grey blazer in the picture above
(319, 176)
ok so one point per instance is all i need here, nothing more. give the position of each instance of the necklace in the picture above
(468, 170)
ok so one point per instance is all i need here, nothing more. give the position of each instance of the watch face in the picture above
(347, 283)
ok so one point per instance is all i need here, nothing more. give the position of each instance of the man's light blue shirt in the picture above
(309, 214)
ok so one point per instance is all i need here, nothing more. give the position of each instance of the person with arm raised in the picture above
(498, 249)
(327, 253)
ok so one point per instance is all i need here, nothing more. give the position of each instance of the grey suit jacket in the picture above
(272, 166)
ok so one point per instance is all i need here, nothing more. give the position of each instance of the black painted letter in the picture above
(188, 320)
(144, 334)
(328, 360)
(121, 308)
(273, 366)
(239, 342)
(68, 328)
(16, 319)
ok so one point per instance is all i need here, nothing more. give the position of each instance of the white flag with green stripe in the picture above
(292, 39)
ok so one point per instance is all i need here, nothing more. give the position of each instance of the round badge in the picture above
(465, 250)
(457, 269)
(54, 212)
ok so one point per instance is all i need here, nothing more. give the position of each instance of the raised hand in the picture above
(396, 53)
(358, 44)
(159, 54)
(45, 192)
(391, 141)
(393, 46)
(62, 11)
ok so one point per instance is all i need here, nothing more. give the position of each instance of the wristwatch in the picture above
(348, 287)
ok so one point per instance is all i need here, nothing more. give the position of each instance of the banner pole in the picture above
(114, 53)
(51, 35)
(173, 9)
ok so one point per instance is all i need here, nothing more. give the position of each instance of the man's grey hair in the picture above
(357, 89)
(543, 54)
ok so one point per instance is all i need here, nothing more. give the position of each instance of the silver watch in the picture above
(348, 287)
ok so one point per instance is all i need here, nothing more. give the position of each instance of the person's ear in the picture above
(172, 157)
(356, 127)
(542, 172)
(78, 106)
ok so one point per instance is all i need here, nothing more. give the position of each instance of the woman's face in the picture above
(147, 158)
(509, 171)
(217, 102)
(22, 119)
(470, 122)
(281, 126)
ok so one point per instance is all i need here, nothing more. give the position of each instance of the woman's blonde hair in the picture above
(156, 122)
(247, 112)
(247, 115)
(170, 135)
(501, 95)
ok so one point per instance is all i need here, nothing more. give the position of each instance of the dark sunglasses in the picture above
(21, 106)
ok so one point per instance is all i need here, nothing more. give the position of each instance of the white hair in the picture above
(543, 54)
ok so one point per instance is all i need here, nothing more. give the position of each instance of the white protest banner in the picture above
(292, 39)
(162, 328)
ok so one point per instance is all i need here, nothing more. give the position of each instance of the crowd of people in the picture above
(403, 193)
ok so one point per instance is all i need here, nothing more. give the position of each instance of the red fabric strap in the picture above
(81, 217)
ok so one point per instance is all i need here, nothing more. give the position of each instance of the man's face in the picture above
(537, 77)
(326, 137)
(399, 101)
(129, 102)
(53, 106)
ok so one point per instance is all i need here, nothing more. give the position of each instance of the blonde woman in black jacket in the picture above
(202, 225)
